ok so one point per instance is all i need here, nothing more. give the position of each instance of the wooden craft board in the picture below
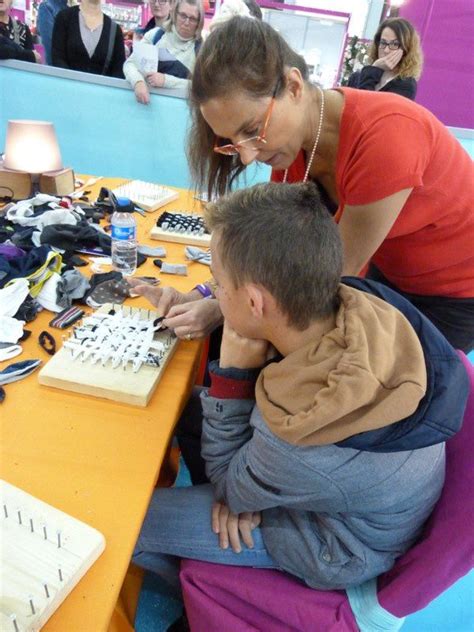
(148, 196)
(180, 238)
(33, 566)
(120, 385)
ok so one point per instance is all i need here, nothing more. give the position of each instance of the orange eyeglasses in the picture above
(233, 150)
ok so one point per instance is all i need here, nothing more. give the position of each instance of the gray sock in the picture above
(152, 251)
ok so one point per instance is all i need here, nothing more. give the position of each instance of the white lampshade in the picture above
(32, 146)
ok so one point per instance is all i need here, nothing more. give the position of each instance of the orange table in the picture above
(96, 459)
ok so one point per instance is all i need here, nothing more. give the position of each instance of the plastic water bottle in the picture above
(124, 241)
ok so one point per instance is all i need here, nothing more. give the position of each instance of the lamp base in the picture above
(15, 184)
(57, 182)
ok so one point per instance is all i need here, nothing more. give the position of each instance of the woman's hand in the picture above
(196, 319)
(155, 79)
(142, 93)
(390, 61)
(241, 353)
(231, 527)
(163, 298)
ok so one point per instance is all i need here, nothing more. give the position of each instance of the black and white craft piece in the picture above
(119, 340)
(44, 553)
(182, 228)
(117, 352)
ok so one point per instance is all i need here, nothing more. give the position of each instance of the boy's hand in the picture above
(241, 353)
(231, 527)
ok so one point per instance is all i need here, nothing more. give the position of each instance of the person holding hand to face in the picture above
(179, 40)
(395, 58)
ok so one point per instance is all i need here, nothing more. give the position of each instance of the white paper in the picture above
(146, 57)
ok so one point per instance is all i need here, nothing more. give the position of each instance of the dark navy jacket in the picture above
(440, 413)
(174, 66)
(369, 76)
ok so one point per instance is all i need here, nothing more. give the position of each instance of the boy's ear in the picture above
(255, 300)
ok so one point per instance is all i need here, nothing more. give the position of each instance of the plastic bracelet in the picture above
(203, 289)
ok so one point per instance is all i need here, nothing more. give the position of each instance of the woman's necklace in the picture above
(315, 146)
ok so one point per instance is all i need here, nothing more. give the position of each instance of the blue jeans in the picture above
(178, 524)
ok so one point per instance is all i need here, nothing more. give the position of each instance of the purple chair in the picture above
(235, 599)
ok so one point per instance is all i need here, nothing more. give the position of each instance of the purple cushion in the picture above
(445, 552)
(220, 598)
(231, 598)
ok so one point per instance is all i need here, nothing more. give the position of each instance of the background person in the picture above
(401, 182)
(180, 40)
(16, 41)
(47, 12)
(231, 8)
(160, 14)
(395, 59)
(86, 39)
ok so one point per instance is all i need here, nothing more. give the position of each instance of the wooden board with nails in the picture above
(147, 195)
(180, 238)
(44, 554)
(69, 371)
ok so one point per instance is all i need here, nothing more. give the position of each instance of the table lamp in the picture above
(32, 161)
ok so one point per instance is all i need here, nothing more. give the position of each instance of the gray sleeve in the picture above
(225, 430)
(251, 472)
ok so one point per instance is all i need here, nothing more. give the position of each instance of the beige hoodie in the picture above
(365, 374)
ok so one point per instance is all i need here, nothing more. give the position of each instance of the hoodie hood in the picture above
(440, 413)
(367, 373)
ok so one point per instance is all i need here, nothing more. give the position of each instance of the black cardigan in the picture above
(369, 76)
(68, 50)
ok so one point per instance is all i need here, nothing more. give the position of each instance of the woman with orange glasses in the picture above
(395, 60)
(400, 183)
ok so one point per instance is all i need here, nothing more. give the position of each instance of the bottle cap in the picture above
(124, 205)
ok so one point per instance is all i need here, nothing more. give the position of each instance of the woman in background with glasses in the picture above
(160, 14)
(395, 60)
(178, 44)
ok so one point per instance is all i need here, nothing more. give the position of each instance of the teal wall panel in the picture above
(101, 129)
